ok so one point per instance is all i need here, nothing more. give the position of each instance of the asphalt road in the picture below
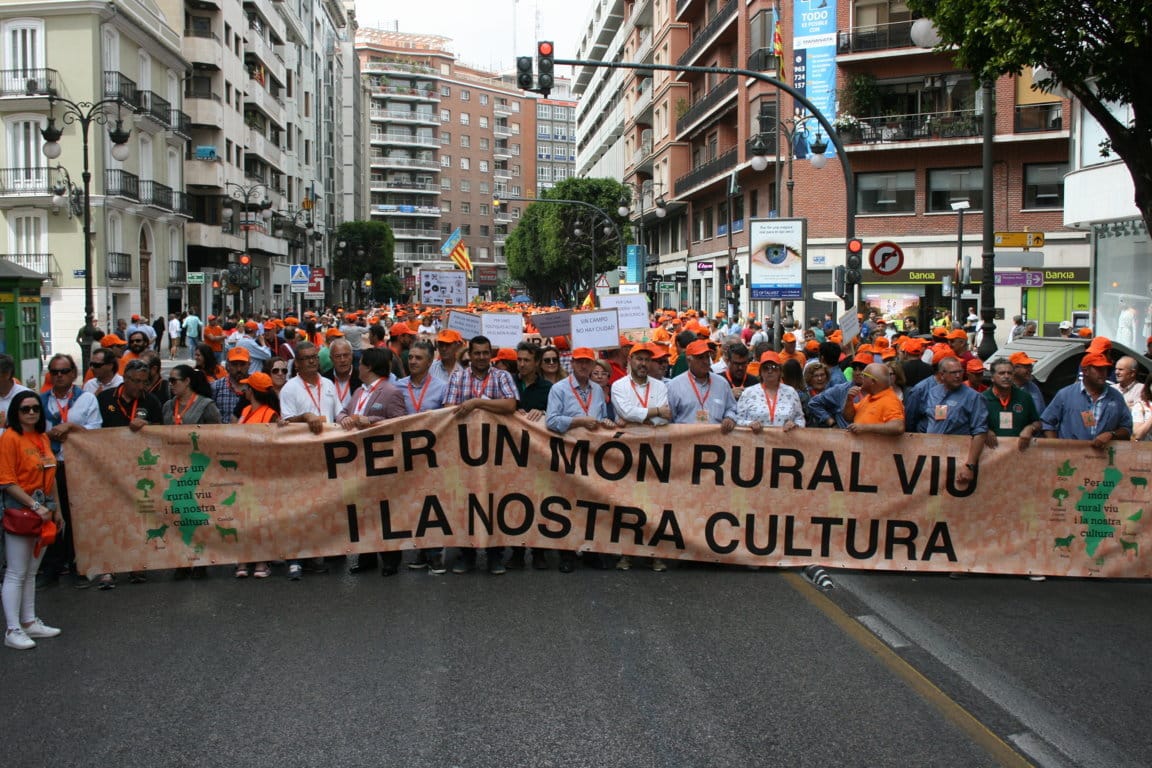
(699, 666)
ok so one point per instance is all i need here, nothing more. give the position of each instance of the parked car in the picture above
(1058, 359)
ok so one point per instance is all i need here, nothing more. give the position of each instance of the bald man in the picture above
(871, 406)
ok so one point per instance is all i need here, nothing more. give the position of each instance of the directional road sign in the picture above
(195, 278)
(1019, 240)
(1026, 279)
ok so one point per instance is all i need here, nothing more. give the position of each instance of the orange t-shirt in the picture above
(879, 409)
(214, 330)
(23, 459)
(126, 358)
(797, 356)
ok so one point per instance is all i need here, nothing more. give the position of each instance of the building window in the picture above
(483, 187)
(465, 164)
(445, 137)
(445, 206)
(947, 185)
(543, 111)
(445, 185)
(886, 192)
(465, 185)
(465, 141)
(465, 229)
(702, 224)
(483, 122)
(445, 91)
(483, 230)
(483, 143)
(483, 166)
(465, 118)
(484, 99)
(483, 209)
(544, 152)
(465, 207)
(544, 173)
(445, 115)
(1044, 185)
(465, 95)
(445, 161)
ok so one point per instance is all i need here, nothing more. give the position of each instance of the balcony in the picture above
(875, 37)
(156, 107)
(181, 124)
(117, 86)
(643, 98)
(387, 209)
(502, 151)
(407, 139)
(404, 92)
(25, 182)
(764, 60)
(385, 161)
(706, 171)
(409, 233)
(182, 204)
(119, 266)
(204, 173)
(122, 184)
(502, 131)
(644, 150)
(402, 185)
(504, 174)
(203, 47)
(41, 263)
(383, 67)
(405, 116)
(924, 126)
(29, 82)
(156, 194)
(177, 272)
(708, 35)
(204, 108)
(1031, 118)
(718, 95)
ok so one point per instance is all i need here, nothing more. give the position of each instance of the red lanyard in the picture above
(340, 396)
(416, 404)
(647, 391)
(771, 401)
(702, 399)
(135, 404)
(177, 412)
(62, 406)
(483, 384)
(317, 397)
(586, 404)
(364, 394)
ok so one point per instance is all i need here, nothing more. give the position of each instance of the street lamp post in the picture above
(625, 209)
(293, 218)
(247, 197)
(83, 114)
(958, 284)
(577, 230)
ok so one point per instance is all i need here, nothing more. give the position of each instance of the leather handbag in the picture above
(22, 521)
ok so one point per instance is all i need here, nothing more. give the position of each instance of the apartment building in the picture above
(126, 54)
(264, 167)
(443, 141)
(913, 145)
(555, 138)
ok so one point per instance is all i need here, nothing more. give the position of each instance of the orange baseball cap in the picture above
(112, 340)
(698, 347)
(626, 342)
(583, 353)
(400, 329)
(974, 366)
(238, 353)
(448, 336)
(836, 337)
(789, 337)
(957, 333)
(658, 350)
(1085, 333)
(863, 358)
(888, 354)
(940, 332)
(1020, 358)
(333, 333)
(261, 382)
(1095, 360)
(505, 353)
(770, 357)
(812, 345)
(291, 320)
(914, 346)
(640, 348)
(251, 326)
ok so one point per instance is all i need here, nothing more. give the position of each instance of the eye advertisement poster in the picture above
(778, 257)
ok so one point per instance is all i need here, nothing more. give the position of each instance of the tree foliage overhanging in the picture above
(548, 259)
(1094, 50)
(370, 249)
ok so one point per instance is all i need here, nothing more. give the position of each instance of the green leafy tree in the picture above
(548, 258)
(369, 248)
(1093, 50)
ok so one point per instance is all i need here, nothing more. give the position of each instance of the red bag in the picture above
(22, 521)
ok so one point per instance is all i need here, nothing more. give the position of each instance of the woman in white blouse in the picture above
(773, 403)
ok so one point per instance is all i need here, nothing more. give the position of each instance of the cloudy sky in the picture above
(486, 33)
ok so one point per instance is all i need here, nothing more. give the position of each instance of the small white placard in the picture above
(598, 329)
(466, 323)
(503, 329)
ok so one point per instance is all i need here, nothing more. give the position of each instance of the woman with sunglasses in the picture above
(263, 408)
(191, 401)
(277, 370)
(773, 403)
(550, 368)
(28, 481)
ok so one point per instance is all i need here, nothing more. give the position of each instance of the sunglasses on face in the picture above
(29, 409)
(95, 364)
(60, 371)
(281, 371)
(551, 360)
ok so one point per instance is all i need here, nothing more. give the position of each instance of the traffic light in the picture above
(854, 261)
(244, 272)
(838, 283)
(544, 67)
(524, 80)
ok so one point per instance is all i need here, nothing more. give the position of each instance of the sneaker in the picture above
(462, 566)
(623, 564)
(295, 571)
(39, 629)
(18, 639)
(496, 567)
(436, 564)
(419, 564)
(659, 565)
(1037, 578)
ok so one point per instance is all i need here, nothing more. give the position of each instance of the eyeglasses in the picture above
(95, 364)
(281, 371)
(866, 375)
(29, 409)
(174, 379)
(551, 360)
(769, 367)
(60, 371)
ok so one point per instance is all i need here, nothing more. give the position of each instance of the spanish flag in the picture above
(460, 258)
(589, 300)
(778, 48)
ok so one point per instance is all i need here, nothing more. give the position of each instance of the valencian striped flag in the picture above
(778, 47)
(455, 249)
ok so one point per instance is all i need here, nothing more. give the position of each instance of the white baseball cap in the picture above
(1065, 325)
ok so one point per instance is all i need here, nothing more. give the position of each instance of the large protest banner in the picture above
(176, 496)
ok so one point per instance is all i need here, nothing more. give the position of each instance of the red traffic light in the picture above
(245, 259)
(855, 245)
(544, 48)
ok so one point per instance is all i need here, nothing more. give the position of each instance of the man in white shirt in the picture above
(638, 399)
(105, 372)
(309, 398)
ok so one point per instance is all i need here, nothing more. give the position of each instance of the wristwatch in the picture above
(35, 506)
